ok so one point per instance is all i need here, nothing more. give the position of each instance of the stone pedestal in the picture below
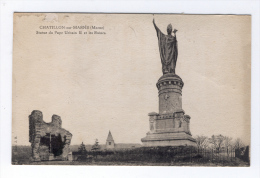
(169, 127)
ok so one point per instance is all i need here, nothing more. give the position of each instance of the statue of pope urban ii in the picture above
(168, 49)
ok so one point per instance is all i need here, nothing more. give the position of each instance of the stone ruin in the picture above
(50, 136)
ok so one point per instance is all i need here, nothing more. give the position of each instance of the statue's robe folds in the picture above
(168, 51)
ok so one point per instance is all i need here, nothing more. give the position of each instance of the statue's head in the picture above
(169, 29)
(56, 120)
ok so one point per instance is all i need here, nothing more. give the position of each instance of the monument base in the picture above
(168, 139)
(169, 127)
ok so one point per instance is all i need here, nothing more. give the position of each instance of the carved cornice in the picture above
(170, 79)
(187, 118)
(161, 84)
(153, 114)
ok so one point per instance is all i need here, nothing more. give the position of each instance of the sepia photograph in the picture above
(131, 89)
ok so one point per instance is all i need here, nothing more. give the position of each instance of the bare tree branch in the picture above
(238, 143)
(201, 141)
(217, 141)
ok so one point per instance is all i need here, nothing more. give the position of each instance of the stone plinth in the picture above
(170, 93)
(169, 127)
(51, 135)
(169, 130)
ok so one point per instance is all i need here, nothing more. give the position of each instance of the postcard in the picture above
(131, 89)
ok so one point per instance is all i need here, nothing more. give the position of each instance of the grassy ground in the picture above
(141, 157)
(237, 163)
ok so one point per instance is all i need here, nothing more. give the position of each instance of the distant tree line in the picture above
(218, 142)
(95, 147)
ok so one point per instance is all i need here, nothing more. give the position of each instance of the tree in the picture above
(202, 141)
(227, 143)
(217, 141)
(96, 146)
(238, 143)
(82, 148)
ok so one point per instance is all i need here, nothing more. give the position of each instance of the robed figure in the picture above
(168, 49)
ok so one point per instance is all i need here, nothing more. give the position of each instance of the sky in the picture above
(103, 82)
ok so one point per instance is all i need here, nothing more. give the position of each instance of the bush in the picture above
(149, 154)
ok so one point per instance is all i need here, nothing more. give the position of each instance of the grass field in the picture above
(238, 163)
(164, 156)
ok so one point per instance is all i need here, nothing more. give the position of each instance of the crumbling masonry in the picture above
(50, 135)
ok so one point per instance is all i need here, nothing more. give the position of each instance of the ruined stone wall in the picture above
(40, 132)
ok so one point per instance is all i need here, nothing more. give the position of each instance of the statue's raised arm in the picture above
(156, 28)
(168, 49)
